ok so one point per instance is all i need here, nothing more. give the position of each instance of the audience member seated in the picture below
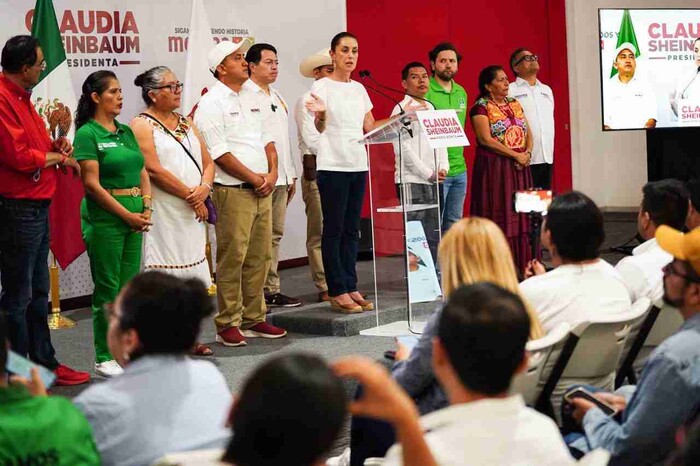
(480, 346)
(693, 219)
(664, 202)
(582, 286)
(668, 392)
(289, 412)
(39, 429)
(474, 249)
(164, 401)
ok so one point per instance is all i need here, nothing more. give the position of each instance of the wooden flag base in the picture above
(56, 320)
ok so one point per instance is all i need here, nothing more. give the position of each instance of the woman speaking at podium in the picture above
(342, 113)
(502, 164)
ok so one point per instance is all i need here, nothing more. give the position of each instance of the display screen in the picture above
(650, 68)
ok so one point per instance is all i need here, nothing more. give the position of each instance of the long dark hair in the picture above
(487, 76)
(95, 82)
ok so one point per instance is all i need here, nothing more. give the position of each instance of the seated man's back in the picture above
(575, 293)
(43, 430)
(159, 405)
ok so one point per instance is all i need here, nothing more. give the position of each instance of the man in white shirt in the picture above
(582, 287)
(316, 66)
(230, 119)
(262, 68)
(537, 101)
(665, 202)
(628, 100)
(422, 166)
(480, 346)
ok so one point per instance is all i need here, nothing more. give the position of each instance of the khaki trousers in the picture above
(244, 236)
(314, 229)
(279, 213)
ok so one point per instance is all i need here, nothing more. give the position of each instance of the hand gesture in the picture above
(198, 195)
(201, 213)
(534, 267)
(382, 398)
(138, 222)
(291, 190)
(267, 186)
(73, 164)
(35, 386)
(63, 146)
(315, 104)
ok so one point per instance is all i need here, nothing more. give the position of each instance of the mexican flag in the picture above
(626, 36)
(54, 99)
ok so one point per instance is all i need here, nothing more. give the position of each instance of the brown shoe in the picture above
(345, 308)
(364, 304)
(323, 297)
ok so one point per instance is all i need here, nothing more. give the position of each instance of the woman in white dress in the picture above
(687, 86)
(182, 174)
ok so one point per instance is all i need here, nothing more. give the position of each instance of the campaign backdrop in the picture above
(130, 36)
(665, 56)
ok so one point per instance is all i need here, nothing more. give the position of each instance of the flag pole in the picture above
(56, 320)
(212, 287)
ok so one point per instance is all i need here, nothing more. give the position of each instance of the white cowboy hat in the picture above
(310, 63)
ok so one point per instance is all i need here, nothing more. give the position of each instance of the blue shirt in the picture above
(668, 392)
(160, 404)
(415, 374)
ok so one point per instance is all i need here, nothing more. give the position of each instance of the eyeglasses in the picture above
(174, 88)
(526, 58)
(669, 269)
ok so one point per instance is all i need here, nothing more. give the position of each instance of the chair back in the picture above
(643, 305)
(540, 350)
(597, 457)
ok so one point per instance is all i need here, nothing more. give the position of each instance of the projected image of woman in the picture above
(688, 85)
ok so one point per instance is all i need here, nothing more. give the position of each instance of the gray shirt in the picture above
(159, 405)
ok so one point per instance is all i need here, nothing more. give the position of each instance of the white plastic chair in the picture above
(667, 323)
(590, 356)
(540, 350)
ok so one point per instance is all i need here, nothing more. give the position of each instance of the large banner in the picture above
(130, 36)
(650, 68)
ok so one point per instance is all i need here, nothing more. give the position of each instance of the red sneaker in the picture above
(230, 337)
(264, 330)
(67, 376)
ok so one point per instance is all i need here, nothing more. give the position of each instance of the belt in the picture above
(237, 186)
(25, 202)
(133, 192)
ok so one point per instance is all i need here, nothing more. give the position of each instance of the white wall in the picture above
(610, 167)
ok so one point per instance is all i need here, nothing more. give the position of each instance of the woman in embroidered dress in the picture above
(181, 181)
(502, 164)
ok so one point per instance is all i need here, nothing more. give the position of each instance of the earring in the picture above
(126, 356)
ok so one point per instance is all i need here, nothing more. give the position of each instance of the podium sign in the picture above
(689, 112)
(442, 128)
(422, 277)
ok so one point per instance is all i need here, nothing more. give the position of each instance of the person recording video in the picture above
(629, 100)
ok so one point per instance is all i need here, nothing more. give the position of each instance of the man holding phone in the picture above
(668, 391)
(39, 429)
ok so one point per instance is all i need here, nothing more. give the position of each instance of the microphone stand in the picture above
(407, 124)
(366, 73)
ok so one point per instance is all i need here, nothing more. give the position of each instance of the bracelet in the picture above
(147, 207)
(64, 157)
(147, 196)
(204, 183)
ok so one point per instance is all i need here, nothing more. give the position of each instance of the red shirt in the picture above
(24, 142)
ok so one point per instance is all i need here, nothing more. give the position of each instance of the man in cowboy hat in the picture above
(230, 118)
(629, 101)
(317, 66)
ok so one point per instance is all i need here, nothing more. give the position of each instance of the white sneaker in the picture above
(108, 369)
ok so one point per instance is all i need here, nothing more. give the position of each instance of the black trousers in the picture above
(542, 175)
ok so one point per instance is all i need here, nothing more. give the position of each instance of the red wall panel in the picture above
(485, 32)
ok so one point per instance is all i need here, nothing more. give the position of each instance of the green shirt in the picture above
(118, 154)
(45, 430)
(457, 100)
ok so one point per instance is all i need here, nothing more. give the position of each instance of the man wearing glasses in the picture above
(537, 101)
(262, 69)
(28, 161)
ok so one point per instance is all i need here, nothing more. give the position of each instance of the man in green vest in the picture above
(40, 429)
(446, 94)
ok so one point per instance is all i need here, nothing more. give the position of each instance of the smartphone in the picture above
(408, 340)
(586, 395)
(21, 366)
(534, 200)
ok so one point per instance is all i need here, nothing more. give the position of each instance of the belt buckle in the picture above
(135, 191)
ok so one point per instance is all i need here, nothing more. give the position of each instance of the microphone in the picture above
(683, 96)
(407, 124)
(367, 74)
